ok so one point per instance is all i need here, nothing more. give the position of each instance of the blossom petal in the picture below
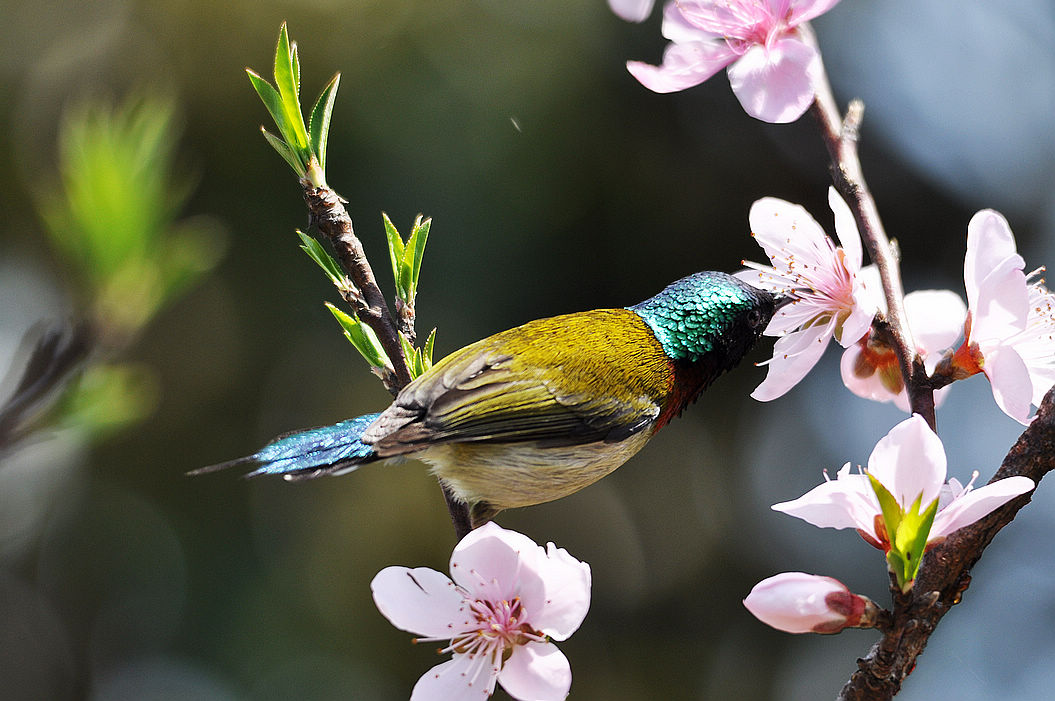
(794, 355)
(1010, 381)
(463, 677)
(846, 502)
(495, 564)
(632, 10)
(805, 10)
(846, 229)
(567, 582)
(684, 66)
(1001, 304)
(774, 221)
(936, 318)
(989, 244)
(910, 462)
(421, 601)
(536, 671)
(858, 323)
(977, 503)
(866, 387)
(679, 30)
(776, 83)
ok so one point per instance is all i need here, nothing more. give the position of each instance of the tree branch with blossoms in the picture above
(840, 138)
(945, 571)
(897, 347)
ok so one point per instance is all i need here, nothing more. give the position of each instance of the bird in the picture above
(542, 410)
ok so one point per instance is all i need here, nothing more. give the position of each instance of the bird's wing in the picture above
(586, 390)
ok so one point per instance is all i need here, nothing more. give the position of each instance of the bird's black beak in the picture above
(782, 300)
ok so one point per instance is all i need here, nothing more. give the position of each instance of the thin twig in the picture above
(55, 354)
(840, 138)
(329, 216)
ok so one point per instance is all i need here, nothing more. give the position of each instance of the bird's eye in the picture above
(754, 318)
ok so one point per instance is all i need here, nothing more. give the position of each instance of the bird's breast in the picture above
(510, 475)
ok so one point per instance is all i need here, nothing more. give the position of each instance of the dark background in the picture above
(556, 183)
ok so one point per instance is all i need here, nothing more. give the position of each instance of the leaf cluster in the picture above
(302, 146)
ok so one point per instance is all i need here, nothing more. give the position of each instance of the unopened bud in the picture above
(796, 602)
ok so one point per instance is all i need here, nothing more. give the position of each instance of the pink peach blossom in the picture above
(508, 599)
(870, 367)
(910, 463)
(832, 298)
(1010, 329)
(772, 57)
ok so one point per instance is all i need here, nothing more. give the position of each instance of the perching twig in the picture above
(329, 216)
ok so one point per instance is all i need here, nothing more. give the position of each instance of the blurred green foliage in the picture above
(115, 218)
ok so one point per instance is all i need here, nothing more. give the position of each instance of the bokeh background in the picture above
(556, 184)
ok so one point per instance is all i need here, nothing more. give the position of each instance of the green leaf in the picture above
(408, 350)
(295, 60)
(284, 151)
(892, 513)
(427, 353)
(317, 253)
(395, 251)
(900, 568)
(415, 250)
(912, 537)
(362, 337)
(319, 121)
(907, 531)
(271, 99)
(287, 83)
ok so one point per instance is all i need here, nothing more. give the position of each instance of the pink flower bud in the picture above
(796, 602)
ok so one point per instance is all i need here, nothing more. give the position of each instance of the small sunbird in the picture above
(542, 410)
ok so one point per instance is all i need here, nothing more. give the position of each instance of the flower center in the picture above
(500, 626)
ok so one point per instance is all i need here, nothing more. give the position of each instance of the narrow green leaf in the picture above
(317, 253)
(284, 151)
(416, 246)
(408, 350)
(286, 83)
(913, 534)
(362, 337)
(900, 568)
(395, 252)
(892, 513)
(427, 353)
(295, 60)
(319, 121)
(272, 101)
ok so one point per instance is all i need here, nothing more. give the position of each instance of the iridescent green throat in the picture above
(690, 317)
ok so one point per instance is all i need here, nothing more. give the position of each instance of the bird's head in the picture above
(709, 316)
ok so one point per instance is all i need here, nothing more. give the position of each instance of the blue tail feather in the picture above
(311, 451)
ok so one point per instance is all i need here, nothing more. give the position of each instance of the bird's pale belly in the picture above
(510, 475)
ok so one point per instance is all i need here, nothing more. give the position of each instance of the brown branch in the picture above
(328, 215)
(840, 138)
(945, 571)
